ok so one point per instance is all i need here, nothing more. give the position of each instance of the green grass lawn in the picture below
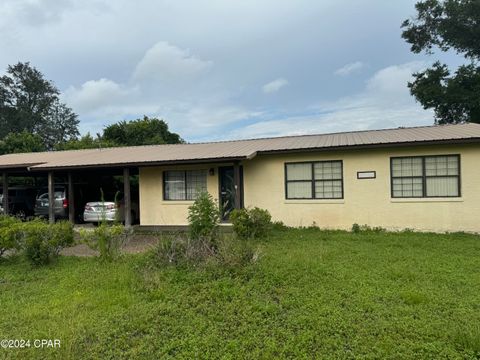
(313, 294)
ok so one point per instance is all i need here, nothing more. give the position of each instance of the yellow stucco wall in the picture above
(156, 211)
(366, 201)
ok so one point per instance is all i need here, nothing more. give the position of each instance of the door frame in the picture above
(219, 170)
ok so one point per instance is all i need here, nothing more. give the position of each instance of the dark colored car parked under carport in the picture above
(60, 204)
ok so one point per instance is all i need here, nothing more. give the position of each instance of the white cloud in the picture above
(147, 91)
(389, 79)
(348, 119)
(204, 120)
(165, 62)
(349, 68)
(385, 102)
(274, 86)
(152, 91)
(96, 94)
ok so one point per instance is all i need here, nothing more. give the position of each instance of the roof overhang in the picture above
(42, 167)
(374, 146)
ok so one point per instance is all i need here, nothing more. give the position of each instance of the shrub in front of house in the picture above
(356, 229)
(204, 221)
(61, 236)
(107, 239)
(9, 233)
(171, 249)
(204, 218)
(252, 223)
(179, 249)
(42, 242)
(203, 244)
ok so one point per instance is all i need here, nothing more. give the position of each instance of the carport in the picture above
(125, 163)
(69, 165)
(70, 176)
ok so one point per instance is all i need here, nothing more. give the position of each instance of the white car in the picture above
(98, 211)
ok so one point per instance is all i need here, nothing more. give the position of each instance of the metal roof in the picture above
(239, 149)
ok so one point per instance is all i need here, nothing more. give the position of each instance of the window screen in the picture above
(314, 180)
(184, 185)
(426, 176)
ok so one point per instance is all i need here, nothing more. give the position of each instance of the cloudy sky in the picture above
(220, 69)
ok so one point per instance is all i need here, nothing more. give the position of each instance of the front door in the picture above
(227, 190)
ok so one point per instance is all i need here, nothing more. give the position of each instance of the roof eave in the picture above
(375, 146)
(143, 164)
(19, 166)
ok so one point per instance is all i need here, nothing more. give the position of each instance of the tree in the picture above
(447, 25)
(61, 126)
(146, 131)
(21, 142)
(85, 142)
(29, 102)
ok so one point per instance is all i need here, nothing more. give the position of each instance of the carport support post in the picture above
(51, 198)
(236, 183)
(71, 199)
(5, 193)
(126, 197)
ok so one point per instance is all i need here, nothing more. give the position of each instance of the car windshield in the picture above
(57, 194)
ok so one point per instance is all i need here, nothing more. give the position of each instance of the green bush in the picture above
(241, 223)
(356, 228)
(204, 245)
(204, 218)
(279, 226)
(10, 232)
(171, 249)
(61, 236)
(42, 242)
(180, 250)
(251, 223)
(107, 239)
(37, 248)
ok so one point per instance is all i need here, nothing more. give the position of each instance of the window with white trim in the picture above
(184, 184)
(314, 180)
(425, 176)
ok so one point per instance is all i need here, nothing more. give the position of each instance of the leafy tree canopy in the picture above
(449, 25)
(146, 131)
(85, 142)
(29, 102)
(21, 142)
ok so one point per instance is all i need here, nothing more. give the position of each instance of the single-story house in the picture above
(424, 178)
